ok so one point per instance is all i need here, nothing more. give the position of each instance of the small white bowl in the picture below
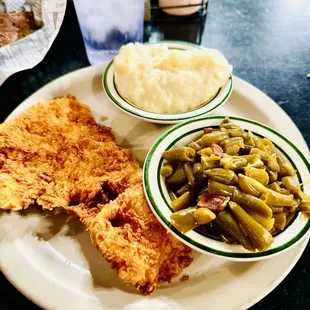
(158, 198)
(115, 97)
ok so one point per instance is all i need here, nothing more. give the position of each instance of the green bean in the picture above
(166, 171)
(197, 167)
(226, 121)
(198, 141)
(249, 139)
(286, 212)
(290, 184)
(307, 213)
(304, 207)
(204, 216)
(225, 236)
(207, 151)
(231, 149)
(227, 222)
(275, 186)
(262, 151)
(277, 199)
(181, 153)
(295, 206)
(235, 180)
(172, 195)
(233, 141)
(220, 175)
(184, 220)
(216, 188)
(194, 145)
(261, 219)
(189, 173)
(260, 236)
(261, 146)
(232, 146)
(233, 162)
(213, 137)
(279, 221)
(178, 177)
(212, 157)
(268, 144)
(282, 190)
(273, 176)
(286, 168)
(251, 186)
(265, 145)
(272, 163)
(181, 202)
(263, 155)
(259, 175)
(247, 187)
(187, 219)
(235, 132)
(183, 189)
(208, 164)
(251, 202)
(276, 209)
(232, 129)
(253, 160)
(263, 167)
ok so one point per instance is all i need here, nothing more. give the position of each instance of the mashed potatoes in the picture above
(162, 80)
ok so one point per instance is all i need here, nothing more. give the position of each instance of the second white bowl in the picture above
(115, 97)
(158, 198)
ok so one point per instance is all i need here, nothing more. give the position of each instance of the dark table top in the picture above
(267, 41)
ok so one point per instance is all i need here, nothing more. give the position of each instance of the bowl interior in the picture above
(179, 113)
(159, 200)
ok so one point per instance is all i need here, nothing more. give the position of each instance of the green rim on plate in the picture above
(166, 222)
(113, 94)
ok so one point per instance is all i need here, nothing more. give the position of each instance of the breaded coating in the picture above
(55, 155)
(131, 239)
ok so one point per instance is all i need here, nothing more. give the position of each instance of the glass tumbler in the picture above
(106, 25)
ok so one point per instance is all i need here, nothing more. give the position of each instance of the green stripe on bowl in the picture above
(301, 233)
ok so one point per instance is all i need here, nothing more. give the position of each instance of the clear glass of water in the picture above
(106, 25)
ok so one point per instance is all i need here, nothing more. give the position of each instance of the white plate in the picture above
(206, 108)
(158, 197)
(62, 270)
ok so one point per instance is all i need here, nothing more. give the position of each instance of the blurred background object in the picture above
(180, 7)
(175, 20)
(107, 25)
(27, 30)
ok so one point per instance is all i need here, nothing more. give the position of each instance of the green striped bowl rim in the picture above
(158, 198)
(114, 96)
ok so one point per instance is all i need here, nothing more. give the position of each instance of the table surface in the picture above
(268, 43)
